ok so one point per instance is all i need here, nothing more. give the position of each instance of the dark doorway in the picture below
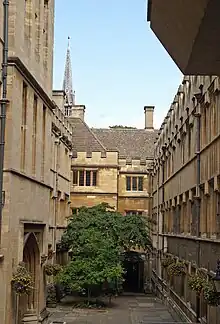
(134, 276)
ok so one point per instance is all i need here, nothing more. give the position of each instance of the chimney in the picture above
(149, 117)
(78, 111)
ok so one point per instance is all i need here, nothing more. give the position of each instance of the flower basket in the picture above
(176, 269)
(196, 283)
(167, 262)
(210, 295)
(52, 269)
(22, 282)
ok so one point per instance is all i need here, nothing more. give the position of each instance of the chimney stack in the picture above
(149, 117)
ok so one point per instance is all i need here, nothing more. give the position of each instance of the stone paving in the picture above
(124, 310)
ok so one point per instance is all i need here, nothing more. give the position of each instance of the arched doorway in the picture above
(134, 276)
(28, 304)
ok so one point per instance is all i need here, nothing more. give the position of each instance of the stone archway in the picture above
(28, 305)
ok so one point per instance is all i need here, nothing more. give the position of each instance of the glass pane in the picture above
(94, 178)
(81, 178)
(140, 183)
(134, 183)
(128, 183)
(88, 178)
(75, 177)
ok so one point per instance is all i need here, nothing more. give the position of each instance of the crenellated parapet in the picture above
(137, 165)
(85, 159)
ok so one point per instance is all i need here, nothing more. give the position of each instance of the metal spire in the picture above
(67, 81)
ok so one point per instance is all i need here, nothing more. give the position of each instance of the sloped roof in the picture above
(130, 143)
(84, 140)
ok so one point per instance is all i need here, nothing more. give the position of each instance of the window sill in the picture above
(135, 191)
(84, 186)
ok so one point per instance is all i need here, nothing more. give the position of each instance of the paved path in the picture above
(125, 310)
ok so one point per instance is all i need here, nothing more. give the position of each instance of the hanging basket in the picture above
(210, 295)
(167, 262)
(22, 282)
(52, 269)
(176, 269)
(196, 283)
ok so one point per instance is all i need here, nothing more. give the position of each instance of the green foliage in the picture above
(210, 295)
(127, 232)
(122, 127)
(51, 295)
(96, 237)
(22, 282)
(52, 269)
(167, 262)
(196, 283)
(176, 269)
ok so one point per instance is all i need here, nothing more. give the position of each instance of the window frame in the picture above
(134, 183)
(85, 177)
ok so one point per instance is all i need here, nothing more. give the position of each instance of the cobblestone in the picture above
(124, 310)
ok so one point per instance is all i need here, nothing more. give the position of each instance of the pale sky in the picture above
(118, 64)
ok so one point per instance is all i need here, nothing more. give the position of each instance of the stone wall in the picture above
(186, 183)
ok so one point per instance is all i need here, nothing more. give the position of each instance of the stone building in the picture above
(108, 165)
(186, 194)
(111, 165)
(37, 159)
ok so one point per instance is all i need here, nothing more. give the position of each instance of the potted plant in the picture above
(22, 282)
(196, 283)
(176, 269)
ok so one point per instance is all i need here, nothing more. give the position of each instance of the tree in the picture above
(122, 127)
(97, 236)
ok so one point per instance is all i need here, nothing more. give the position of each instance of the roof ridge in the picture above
(96, 138)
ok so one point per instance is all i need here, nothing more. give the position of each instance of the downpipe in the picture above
(3, 103)
(198, 176)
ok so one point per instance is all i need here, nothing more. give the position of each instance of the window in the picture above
(37, 29)
(134, 183)
(24, 126)
(85, 178)
(133, 212)
(46, 33)
(43, 140)
(34, 135)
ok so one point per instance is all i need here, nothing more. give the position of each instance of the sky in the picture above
(118, 64)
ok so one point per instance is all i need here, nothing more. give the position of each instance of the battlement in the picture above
(135, 163)
(95, 158)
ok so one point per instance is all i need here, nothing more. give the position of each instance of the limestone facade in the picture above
(37, 161)
(186, 191)
(110, 165)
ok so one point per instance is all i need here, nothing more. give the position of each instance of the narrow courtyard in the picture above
(139, 309)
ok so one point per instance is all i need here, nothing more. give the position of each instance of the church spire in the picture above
(67, 81)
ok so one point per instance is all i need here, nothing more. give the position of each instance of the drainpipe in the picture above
(57, 142)
(158, 226)
(163, 195)
(198, 175)
(3, 103)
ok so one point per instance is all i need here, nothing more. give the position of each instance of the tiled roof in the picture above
(84, 140)
(130, 143)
